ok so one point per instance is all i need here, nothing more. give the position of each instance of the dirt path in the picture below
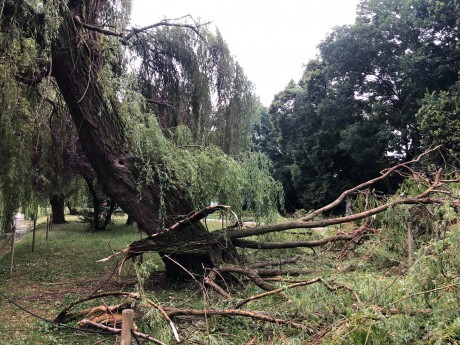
(23, 226)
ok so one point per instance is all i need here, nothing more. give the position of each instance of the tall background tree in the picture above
(354, 109)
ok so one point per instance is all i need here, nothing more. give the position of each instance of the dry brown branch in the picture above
(87, 311)
(134, 31)
(253, 341)
(165, 315)
(63, 314)
(210, 281)
(65, 317)
(253, 275)
(265, 229)
(294, 244)
(303, 283)
(174, 312)
(118, 331)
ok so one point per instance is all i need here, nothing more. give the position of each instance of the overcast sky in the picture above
(270, 39)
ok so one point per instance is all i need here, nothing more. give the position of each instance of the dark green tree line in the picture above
(354, 109)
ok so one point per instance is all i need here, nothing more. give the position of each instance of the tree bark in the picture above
(57, 208)
(77, 61)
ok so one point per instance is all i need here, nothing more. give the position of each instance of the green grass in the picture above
(64, 269)
(60, 270)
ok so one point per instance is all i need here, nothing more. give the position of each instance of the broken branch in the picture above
(304, 283)
(173, 312)
(118, 331)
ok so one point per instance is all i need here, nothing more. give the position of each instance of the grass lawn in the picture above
(59, 271)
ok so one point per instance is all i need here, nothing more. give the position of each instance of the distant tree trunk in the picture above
(108, 215)
(69, 207)
(57, 208)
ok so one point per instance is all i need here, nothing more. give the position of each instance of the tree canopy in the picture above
(354, 109)
(158, 111)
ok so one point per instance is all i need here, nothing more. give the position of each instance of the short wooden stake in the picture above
(13, 235)
(410, 243)
(33, 233)
(127, 317)
(47, 227)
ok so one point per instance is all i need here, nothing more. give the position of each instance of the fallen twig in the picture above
(165, 315)
(118, 330)
(62, 315)
(210, 281)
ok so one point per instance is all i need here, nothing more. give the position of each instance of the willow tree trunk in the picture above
(57, 208)
(77, 62)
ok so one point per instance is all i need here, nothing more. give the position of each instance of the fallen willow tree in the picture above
(218, 249)
(226, 261)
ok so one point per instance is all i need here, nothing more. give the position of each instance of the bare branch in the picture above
(134, 31)
(101, 30)
(173, 312)
(363, 185)
(295, 244)
(265, 229)
(253, 275)
(62, 315)
(118, 331)
(304, 283)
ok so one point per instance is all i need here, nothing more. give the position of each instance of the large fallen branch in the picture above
(221, 245)
(295, 244)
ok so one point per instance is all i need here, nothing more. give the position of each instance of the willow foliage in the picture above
(190, 78)
(186, 107)
(203, 173)
(16, 115)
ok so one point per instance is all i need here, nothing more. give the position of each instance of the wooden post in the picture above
(51, 222)
(47, 227)
(13, 235)
(127, 317)
(33, 233)
(410, 243)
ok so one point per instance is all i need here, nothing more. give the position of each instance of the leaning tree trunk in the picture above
(77, 62)
(57, 208)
